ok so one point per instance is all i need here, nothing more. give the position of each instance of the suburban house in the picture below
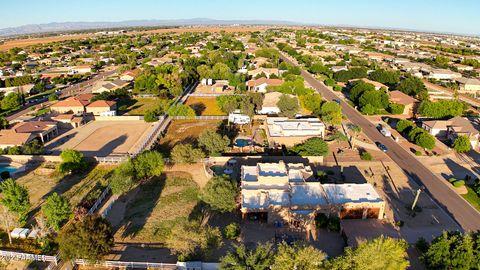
(110, 86)
(284, 131)
(410, 103)
(338, 68)
(24, 132)
(269, 105)
(267, 71)
(444, 74)
(461, 126)
(436, 127)
(102, 107)
(69, 120)
(260, 84)
(468, 85)
(288, 192)
(130, 75)
(453, 128)
(82, 69)
(71, 104)
(160, 61)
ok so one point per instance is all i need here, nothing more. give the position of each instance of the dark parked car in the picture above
(382, 146)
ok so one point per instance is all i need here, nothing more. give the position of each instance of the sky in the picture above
(449, 16)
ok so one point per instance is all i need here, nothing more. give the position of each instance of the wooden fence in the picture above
(20, 256)
(132, 265)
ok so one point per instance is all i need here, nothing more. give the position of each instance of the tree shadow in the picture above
(458, 171)
(198, 107)
(108, 148)
(141, 207)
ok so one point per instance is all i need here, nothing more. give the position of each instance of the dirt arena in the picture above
(102, 138)
(43, 40)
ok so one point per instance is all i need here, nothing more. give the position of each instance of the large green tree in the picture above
(377, 254)
(148, 164)
(123, 178)
(288, 105)
(213, 142)
(299, 256)
(186, 154)
(331, 113)
(220, 194)
(90, 238)
(241, 258)
(462, 144)
(11, 101)
(16, 198)
(453, 250)
(72, 161)
(411, 86)
(311, 147)
(56, 209)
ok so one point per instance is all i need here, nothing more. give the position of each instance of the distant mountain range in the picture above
(77, 26)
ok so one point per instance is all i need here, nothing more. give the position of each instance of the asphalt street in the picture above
(467, 216)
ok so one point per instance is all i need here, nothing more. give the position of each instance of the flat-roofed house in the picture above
(288, 192)
(444, 74)
(71, 104)
(22, 133)
(468, 85)
(102, 107)
(260, 85)
(410, 103)
(288, 132)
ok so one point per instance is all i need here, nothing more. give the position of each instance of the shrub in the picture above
(232, 231)
(451, 180)
(321, 220)
(322, 176)
(329, 82)
(394, 108)
(422, 244)
(459, 183)
(418, 153)
(366, 156)
(337, 88)
(333, 224)
(404, 125)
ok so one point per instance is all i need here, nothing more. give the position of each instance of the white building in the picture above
(284, 131)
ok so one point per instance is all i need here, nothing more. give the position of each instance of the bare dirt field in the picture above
(101, 138)
(43, 40)
(186, 131)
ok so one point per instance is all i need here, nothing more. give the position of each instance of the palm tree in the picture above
(356, 131)
(241, 258)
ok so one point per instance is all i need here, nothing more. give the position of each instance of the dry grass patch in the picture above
(185, 131)
(204, 106)
(138, 106)
(158, 205)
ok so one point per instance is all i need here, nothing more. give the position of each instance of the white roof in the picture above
(308, 194)
(345, 193)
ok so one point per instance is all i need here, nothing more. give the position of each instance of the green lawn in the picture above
(137, 106)
(472, 198)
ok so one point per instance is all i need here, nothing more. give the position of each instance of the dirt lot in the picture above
(77, 188)
(32, 41)
(204, 105)
(101, 138)
(156, 206)
(185, 131)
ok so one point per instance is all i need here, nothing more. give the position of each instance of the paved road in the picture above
(461, 211)
(66, 92)
(470, 100)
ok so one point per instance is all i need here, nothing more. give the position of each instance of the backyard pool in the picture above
(241, 142)
(8, 169)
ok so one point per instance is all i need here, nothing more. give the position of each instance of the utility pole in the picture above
(416, 199)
